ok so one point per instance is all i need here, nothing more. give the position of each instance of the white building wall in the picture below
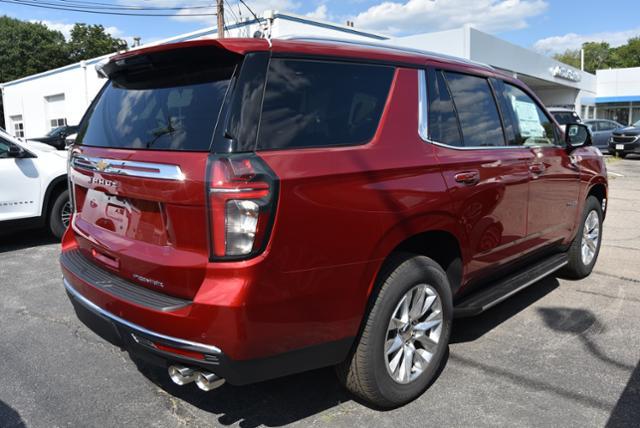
(449, 42)
(618, 82)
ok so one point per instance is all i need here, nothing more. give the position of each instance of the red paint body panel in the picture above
(340, 212)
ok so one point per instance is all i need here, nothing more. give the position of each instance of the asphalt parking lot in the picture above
(561, 353)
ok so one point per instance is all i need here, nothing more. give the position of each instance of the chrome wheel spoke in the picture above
(393, 345)
(427, 343)
(417, 302)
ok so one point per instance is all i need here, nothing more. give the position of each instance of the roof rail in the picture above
(388, 46)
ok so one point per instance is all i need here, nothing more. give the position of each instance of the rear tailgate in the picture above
(138, 168)
(150, 230)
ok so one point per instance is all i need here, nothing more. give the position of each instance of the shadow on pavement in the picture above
(470, 329)
(272, 403)
(9, 417)
(627, 410)
(12, 241)
(578, 322)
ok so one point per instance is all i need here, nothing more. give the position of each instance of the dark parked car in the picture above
(57, 136)
(601, 131)
(246, 210)
(625, 141)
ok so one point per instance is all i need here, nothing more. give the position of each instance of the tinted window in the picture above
(176, 110)
(564, 117)
(316, 103)
(4, 148)
(533, 126)
(443, 122)
(606, 126)
(477, 111)
(508, 120)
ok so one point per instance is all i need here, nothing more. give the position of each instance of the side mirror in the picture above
(577, 135)
(15, 151)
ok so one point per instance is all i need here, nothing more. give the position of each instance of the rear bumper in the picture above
(142, 343)
(166, 335)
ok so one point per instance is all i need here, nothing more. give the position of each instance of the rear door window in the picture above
(443, 123)
(477, 110)
(321, 103)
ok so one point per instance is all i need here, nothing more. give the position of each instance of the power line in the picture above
(55, 6)
(101, 5)
(250, 10)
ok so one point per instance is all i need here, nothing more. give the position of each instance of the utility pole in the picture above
(220, 13)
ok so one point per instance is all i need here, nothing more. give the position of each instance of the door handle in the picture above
(467, 177)
(537, 168)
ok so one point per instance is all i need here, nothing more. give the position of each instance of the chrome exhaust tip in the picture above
(181, 375)
(208, 381)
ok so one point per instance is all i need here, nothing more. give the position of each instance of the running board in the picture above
(491, 295)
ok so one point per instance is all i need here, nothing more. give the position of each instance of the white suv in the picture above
(33, 186)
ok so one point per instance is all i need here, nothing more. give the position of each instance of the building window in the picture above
(18, 126)
(55, 123)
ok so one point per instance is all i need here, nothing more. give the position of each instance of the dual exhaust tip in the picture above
(206, 381)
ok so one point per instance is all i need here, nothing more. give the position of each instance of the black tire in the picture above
(56, 225)
(577, 268)
(365, 372)
(622, 155)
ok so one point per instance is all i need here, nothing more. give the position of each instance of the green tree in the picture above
(600, 55)
(27, 48)
(569, 57)
(628, 55)
(90, 41)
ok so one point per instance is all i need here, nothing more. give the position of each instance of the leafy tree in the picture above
(28, 48)
(569, 57)
(90, 41)
(629, 55)
(600, 55)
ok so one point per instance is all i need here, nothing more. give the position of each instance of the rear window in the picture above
(165, 103)
(319, 103)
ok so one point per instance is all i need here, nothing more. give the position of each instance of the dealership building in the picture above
(35, 104)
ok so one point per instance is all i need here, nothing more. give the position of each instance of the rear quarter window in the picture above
(321, 103)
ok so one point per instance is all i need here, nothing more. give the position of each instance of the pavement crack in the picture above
(621, 278)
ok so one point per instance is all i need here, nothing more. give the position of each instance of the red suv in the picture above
(246, 209)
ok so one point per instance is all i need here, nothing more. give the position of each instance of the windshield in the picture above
(174, 107)
(564, 117)
(55, 131)
(637, 124)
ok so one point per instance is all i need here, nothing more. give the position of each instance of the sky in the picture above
(548, 26)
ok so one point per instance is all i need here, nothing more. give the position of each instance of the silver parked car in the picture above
(601, 130)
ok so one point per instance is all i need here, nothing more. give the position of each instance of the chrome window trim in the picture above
(423, 109)
(129, 168)
(423, 122)
(182, 343)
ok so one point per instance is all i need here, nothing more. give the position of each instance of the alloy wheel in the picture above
(590, 237)
(65, 214)
(413, 334)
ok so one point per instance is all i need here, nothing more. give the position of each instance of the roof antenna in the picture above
(266, 30)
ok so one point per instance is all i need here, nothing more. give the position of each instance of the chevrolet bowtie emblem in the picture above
(102, 165)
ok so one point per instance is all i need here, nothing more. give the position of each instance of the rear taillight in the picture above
(242, 197)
